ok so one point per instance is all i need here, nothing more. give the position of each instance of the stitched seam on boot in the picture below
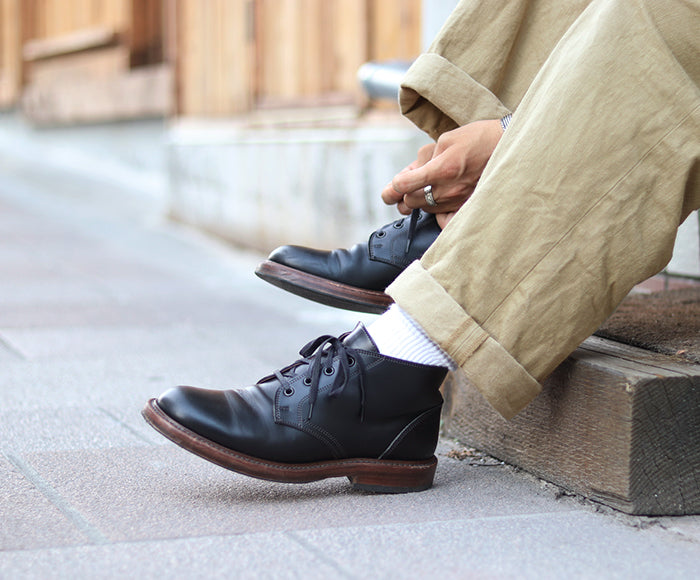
(409, 429)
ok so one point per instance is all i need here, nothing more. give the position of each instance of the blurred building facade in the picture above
(222, 57)
(269, 138)
(76, 61)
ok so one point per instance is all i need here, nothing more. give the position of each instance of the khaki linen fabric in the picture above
(483, 61)
(582, 197)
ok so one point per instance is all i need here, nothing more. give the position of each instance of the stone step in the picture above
(616, 423)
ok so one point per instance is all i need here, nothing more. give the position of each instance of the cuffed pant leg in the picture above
(580, 201)
(483, 60)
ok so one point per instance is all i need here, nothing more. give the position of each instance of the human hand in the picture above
(390, 195)
(455, 165)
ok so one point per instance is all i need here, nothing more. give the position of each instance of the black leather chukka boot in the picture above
(343, 410)
(352, 279)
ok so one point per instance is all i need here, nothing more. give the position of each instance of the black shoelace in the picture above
(318, 355)
(415, 216)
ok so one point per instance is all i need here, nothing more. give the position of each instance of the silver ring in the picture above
(429, 199)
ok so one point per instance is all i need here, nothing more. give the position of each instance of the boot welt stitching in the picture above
(426, 464)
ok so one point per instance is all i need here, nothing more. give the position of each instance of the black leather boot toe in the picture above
(354, 278)
(342, 410)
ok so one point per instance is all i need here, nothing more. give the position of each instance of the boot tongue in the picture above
(360, 339)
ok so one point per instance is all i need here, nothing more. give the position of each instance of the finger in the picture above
(403, 208)
(390, 196)
(448, 199)
(416, 200)
(413, 180)
(425, 154)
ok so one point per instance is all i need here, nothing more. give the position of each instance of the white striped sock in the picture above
(397, 335)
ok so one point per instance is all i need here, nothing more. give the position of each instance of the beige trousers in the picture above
(582, 197)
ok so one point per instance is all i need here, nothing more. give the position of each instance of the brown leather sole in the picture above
(376, 475)
(321, 290)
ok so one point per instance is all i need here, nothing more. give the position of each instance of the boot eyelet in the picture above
(381, 233)
(307, 381)
(398, 225)
(288, 392)
(328, 371)
(351, 361)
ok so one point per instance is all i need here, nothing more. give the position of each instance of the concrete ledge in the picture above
(263, 186)
(135, 94)
(686, 253)
(129, 155)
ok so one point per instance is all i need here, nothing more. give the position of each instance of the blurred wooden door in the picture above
(235, 56)
(87, 60)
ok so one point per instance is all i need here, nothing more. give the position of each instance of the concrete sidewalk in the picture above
(103, 305)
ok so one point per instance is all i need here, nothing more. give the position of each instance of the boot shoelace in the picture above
(412, 226)
(318, 355)
(415, 216)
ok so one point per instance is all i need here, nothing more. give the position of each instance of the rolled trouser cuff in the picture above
(500, 378)
(438, 96)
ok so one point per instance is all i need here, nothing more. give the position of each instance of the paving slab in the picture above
(63, 429)
(563, 545)
(162, 492)
(29, 518)
(254, 556)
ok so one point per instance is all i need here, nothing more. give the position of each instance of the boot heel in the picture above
(386, 476)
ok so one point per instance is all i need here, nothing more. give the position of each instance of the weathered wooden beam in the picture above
(85, 39)
(615, 423)
(143, 92)
(76, 67)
